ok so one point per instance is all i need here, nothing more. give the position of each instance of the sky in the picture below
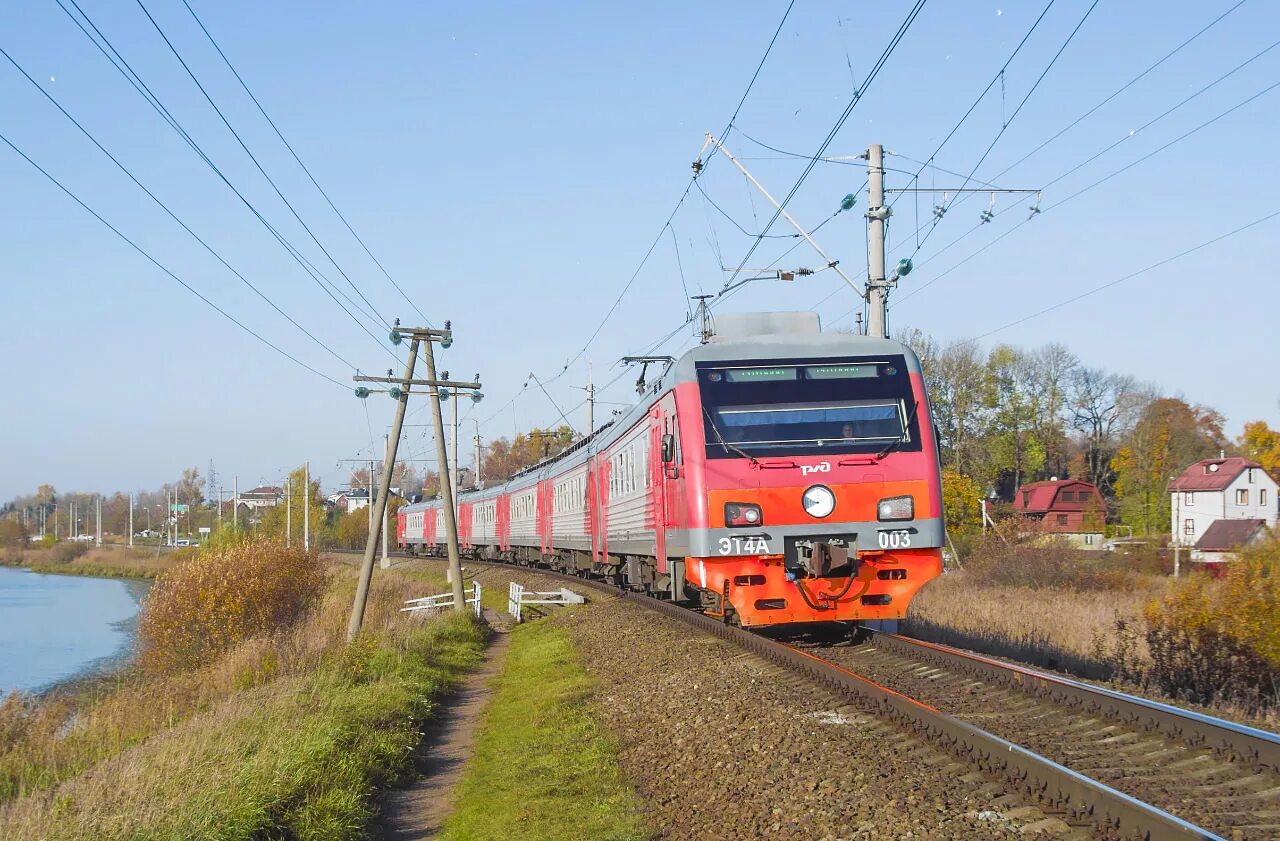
(511, 165)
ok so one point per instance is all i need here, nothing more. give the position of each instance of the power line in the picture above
(171, 214)
(1107, 177)
(1132, 275)
(831, 135)
(1146, 72)
(312, 178)
(1005, 126)
(258, 165)
(123, 67)
(162, 267)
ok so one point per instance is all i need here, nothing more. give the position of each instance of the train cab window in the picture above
(807, 407)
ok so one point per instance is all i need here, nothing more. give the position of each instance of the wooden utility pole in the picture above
(400, 392)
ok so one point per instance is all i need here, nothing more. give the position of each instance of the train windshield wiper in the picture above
(906, 430)
(728, 448)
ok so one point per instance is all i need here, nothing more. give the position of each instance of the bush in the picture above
(66, 551)
(1219, 640)
(1047, 562)
(224, 596)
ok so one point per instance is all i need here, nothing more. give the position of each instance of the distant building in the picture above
(1222, 541)
(349, 501)
(1216, 489)
(1069, 508)
(265, 496)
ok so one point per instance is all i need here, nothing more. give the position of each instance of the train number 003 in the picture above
(898, 539)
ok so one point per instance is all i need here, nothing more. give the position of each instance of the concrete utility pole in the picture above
(370, 484)
(235, 507)
(877, 285)
(477, 457)
(98, 519)
(288, 510)
(219, 506)
(131, 519)
(306, 506)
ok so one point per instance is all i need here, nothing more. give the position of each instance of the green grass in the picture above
(544, 767)
(297, 757)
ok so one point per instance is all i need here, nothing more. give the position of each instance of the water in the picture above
(57, 627)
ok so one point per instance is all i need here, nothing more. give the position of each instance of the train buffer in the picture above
(443, 601)
(518, 597)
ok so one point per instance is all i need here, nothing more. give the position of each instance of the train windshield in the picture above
(759, 408)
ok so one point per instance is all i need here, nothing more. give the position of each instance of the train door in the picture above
(666, 471)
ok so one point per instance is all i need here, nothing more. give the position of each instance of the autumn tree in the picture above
(1262, 444)
(508, 457)
(1169, 435)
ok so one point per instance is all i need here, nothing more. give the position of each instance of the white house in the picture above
(266, 496)
(1220, 489)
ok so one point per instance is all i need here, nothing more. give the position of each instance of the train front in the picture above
(812, 482)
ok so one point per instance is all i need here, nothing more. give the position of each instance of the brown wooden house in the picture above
(1071, 508)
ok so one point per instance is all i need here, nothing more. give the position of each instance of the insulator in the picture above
(848, 201)
(362, 392)
(396, 338)
(904, 267)
(395, 393)
(987, 216)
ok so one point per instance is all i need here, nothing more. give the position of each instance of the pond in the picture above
(57, 627)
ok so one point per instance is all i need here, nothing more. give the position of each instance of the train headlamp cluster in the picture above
(896, 508)
(742, 515)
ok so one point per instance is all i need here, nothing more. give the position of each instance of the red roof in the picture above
(1224, 535)
(1211, 474)
(1042, 494)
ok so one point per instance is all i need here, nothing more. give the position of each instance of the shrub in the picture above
(66, 551)
(48, 541)
(223, 596)
(1048, 562)
(1219, 640)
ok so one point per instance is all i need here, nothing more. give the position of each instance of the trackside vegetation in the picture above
(273, 727)
(544, 767)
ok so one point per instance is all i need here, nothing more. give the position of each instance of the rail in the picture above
(1247, 744)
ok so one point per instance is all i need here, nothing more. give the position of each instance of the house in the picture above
(1222, 540)
(1068, 508)
(350, 500)
(1215, 489)
(264, 496)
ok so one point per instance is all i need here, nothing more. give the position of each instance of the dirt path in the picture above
(448, 741)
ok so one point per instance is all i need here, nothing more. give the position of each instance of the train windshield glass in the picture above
(760, 408)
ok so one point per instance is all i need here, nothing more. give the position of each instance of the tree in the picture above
(961, 500)
(506, 458)
(1169, 435)
(1103, 405)
(1050, 371)
(962, 397)
(1262, 444)
(1016, 451)
(191, 487)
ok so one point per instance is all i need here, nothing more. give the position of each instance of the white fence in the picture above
(518, 596)
(444, 600)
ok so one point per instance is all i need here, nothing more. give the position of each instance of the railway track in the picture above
(1124, 766)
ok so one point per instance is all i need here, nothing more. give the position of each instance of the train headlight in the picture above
(742, 514)
(818, 501)
(897, 508)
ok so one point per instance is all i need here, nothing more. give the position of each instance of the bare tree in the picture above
(1104, 405)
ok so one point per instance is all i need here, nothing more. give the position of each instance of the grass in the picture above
(1055, 627)
(104, 562)
(280, 737)
(544, 767)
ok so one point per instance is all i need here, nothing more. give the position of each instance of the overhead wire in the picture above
(122, 66)
(66, 190)
(1198, 247)
(303, 166)
(1183, 136)
(218, 256)
(1094, 109)
(256, 163)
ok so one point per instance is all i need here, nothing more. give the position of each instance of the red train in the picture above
(776, 474)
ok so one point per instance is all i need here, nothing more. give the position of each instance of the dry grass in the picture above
(247, 589)
(104, 562)
(1053, 627)
(286, 735)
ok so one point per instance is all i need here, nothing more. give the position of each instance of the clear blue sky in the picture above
(511, 163)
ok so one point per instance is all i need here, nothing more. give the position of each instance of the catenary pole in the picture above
(877, 286)
(288, 510)
(371, 545)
